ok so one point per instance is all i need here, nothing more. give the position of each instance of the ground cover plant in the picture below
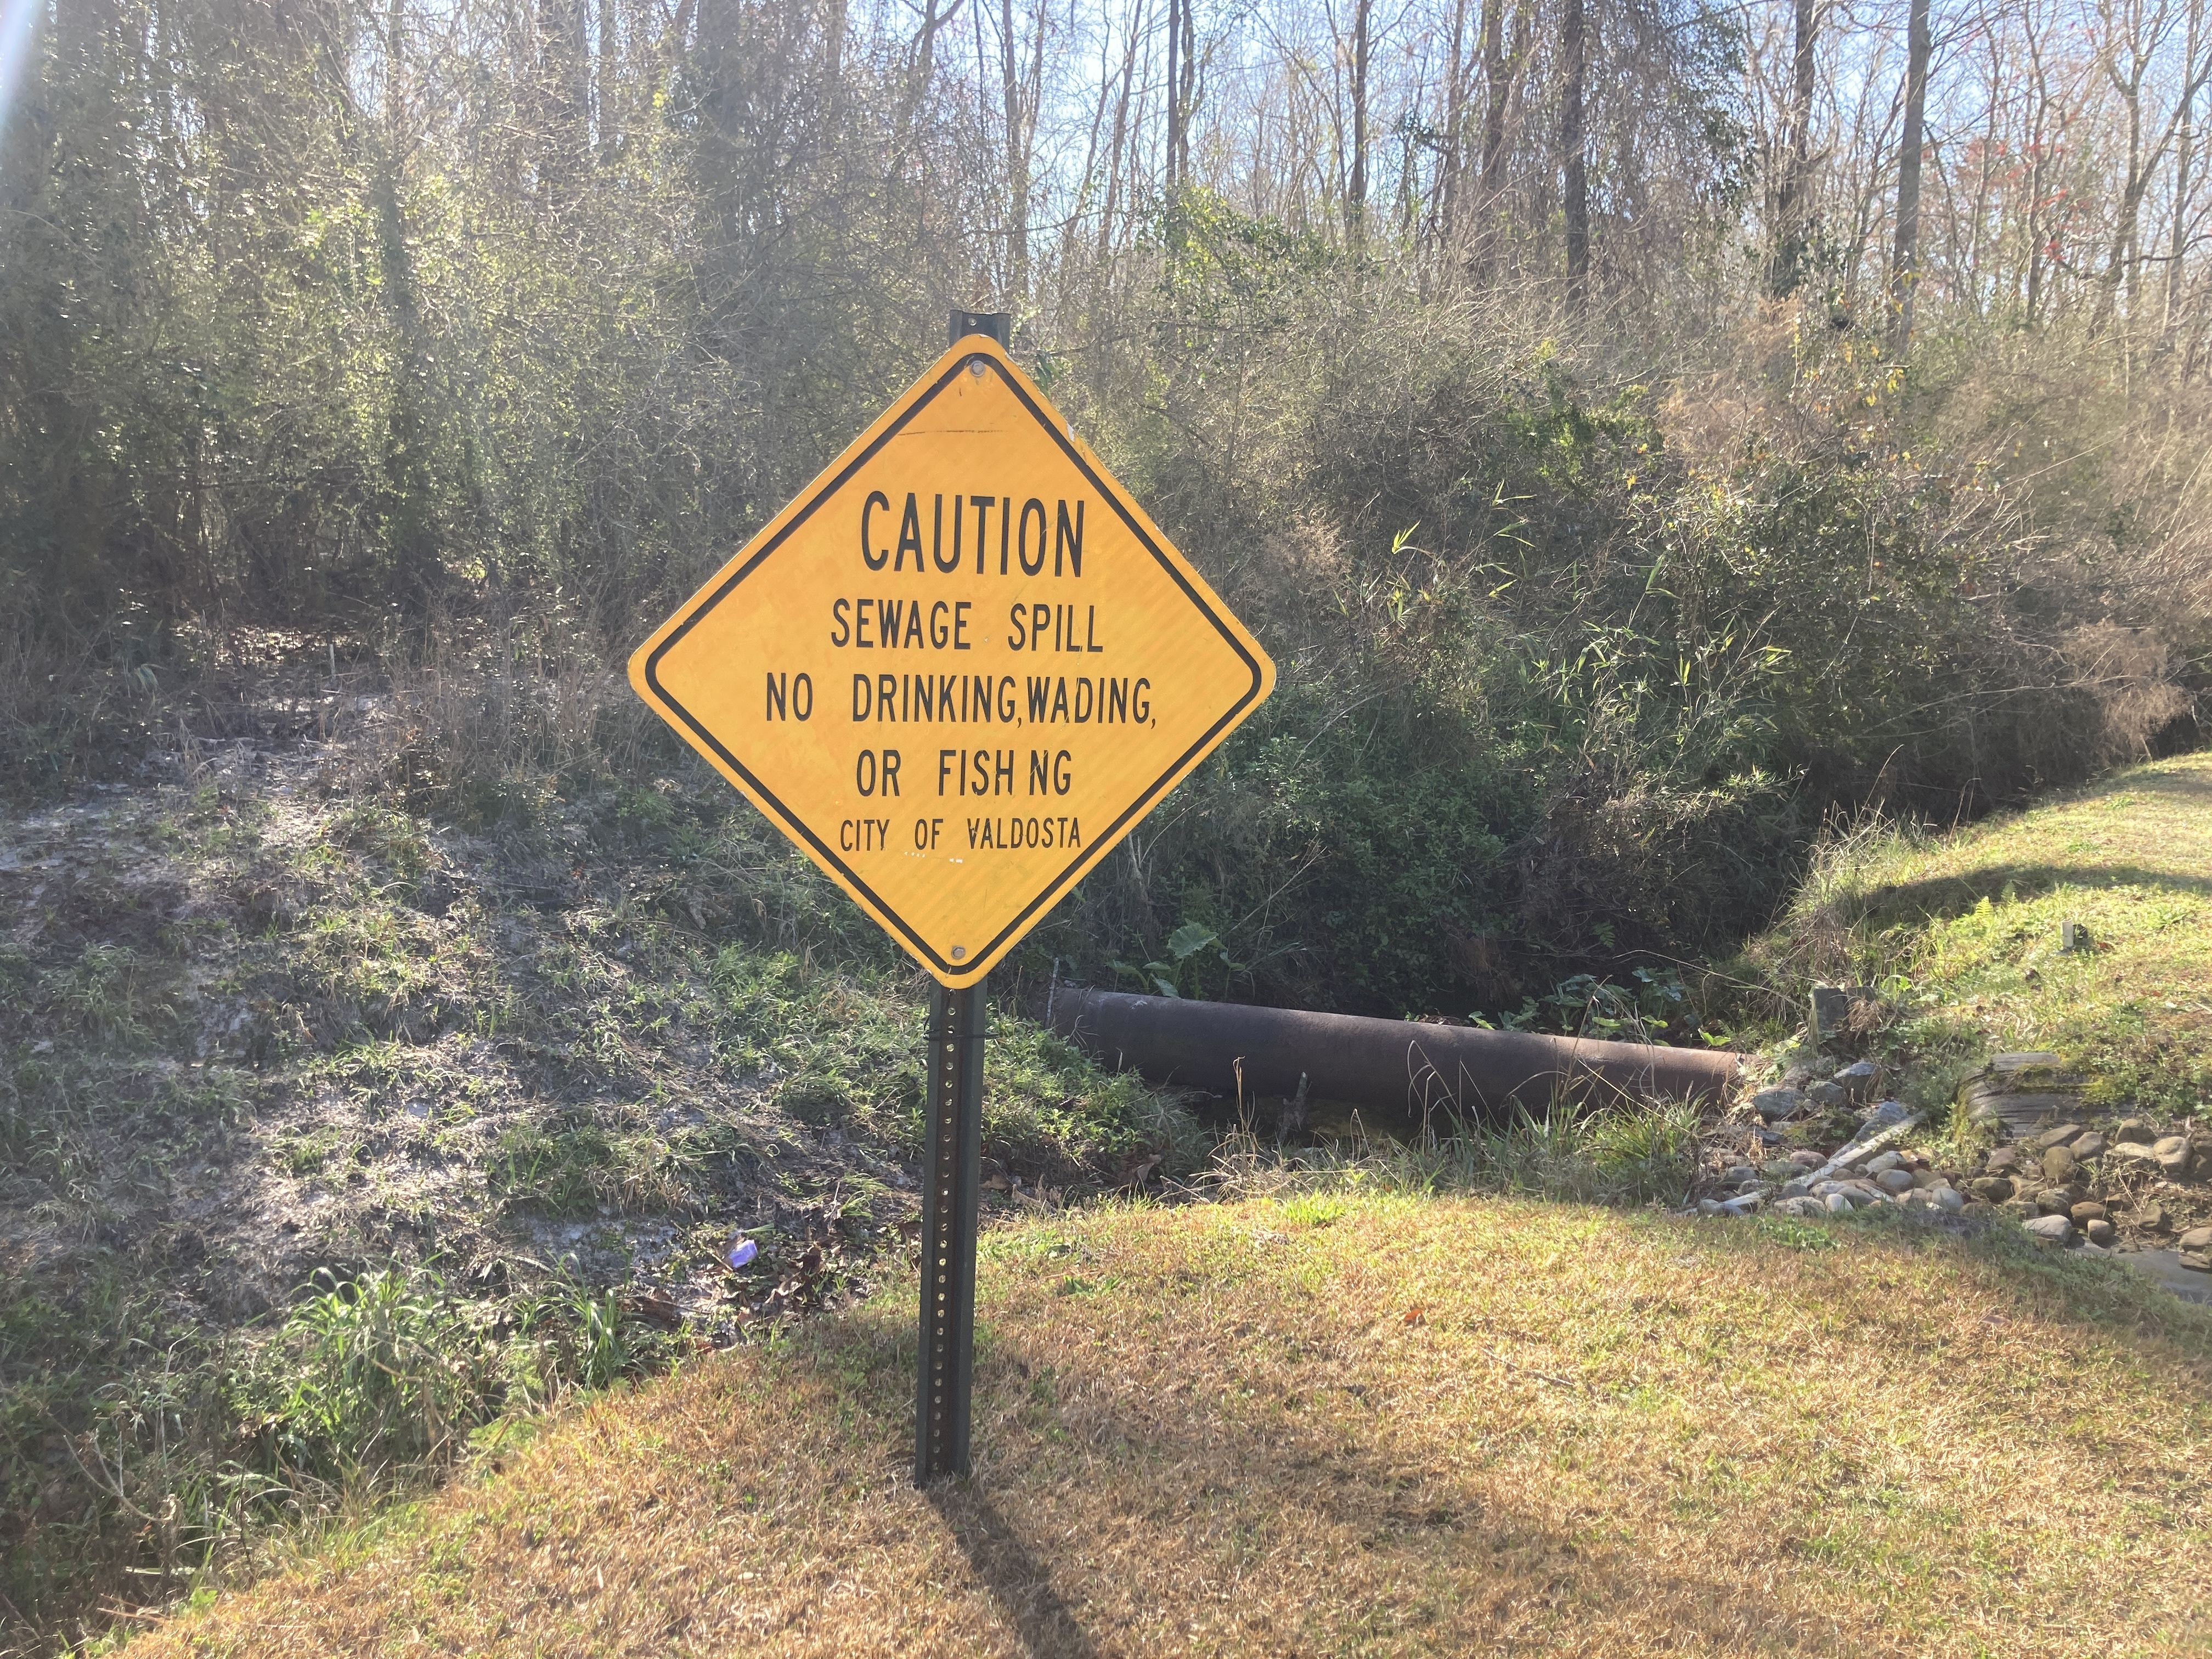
(332, 1135)
(359, 1100)
(1965, 931)
(1349, 1421)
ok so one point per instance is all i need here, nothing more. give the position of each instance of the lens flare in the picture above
(19, 30)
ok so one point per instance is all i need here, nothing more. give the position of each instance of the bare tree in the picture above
(1118, 144)
(1502, 77)
(2038, 168)
(2137, 36)
(1021, 92)
(1181, 89)
(1355, 189)
(1451, 165)
(2184, 172)
(1786, 259)
(565, 75)
(1904, 263)
(1575, 179)
(935, 15)
(607, 97)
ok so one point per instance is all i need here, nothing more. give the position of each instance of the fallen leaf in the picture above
(1141, 1170)
(656, 1306)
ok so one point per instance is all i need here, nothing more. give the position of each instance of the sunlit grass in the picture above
(1965, 930)
(1348, 1423)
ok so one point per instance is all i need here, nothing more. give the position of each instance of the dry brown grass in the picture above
(482, 727)
(1363, 1425)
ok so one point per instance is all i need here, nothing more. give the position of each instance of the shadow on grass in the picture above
(2194, 781)
(1945, 897)
(1022, 1588)
(2099, 1295)
(1333, 1535)
(1278, 1504)
(1940, 898)
(1102, 1492)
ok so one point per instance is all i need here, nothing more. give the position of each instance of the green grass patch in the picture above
(245, 1036)
(1965, 931)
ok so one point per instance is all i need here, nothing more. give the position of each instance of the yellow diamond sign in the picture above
(959, 667)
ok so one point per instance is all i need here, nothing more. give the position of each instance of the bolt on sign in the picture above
(959, 666)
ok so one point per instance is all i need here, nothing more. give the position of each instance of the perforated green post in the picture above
(955, 1162)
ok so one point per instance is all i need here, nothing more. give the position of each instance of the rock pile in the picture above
(2127, 1185)
(2121, 1182)
(1873, 1167)
(1755, 1166)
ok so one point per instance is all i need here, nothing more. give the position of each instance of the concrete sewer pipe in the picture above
(1383, 1065)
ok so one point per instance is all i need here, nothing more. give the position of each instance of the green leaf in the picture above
(1189, 939)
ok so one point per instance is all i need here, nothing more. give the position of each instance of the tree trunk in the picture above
(2035, 175)
(411, 546)
(1174, 89)
(925, 66)
(2184, 176)
(1186, 90)
(565, 72)
(1017, 163)
(1501, 72)
(1494, 78)
(1786, 263)
(1451, 163)
(1575, 178)
(609, 79)
(1118, 143)
(1355, 186)
(833, 45)
(2119, 261)
(1905, 265)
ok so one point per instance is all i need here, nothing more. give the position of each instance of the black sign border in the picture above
(1056, 888)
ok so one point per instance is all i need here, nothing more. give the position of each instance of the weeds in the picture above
(1485, 1423)
(393, 1369)
(112, 995)
(1312, 1209)
(367, 1386)
(558, 1172)
(246, 1034)
(1794, 1234)
(500, 733)
(1629, 1153)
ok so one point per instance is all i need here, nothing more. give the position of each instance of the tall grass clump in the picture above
(367, 1388)
(392, 1370)
(1625, 1152)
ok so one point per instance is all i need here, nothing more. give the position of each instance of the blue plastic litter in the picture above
(742, 1252)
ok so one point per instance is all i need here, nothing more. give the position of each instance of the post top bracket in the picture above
(999, 325)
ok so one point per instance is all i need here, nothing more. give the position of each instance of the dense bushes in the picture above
(1569, 678)
(1584, 617)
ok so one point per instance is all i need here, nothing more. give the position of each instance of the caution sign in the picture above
(959, 667)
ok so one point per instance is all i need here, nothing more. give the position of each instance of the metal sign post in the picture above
(956, 671)
(947, 1365)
